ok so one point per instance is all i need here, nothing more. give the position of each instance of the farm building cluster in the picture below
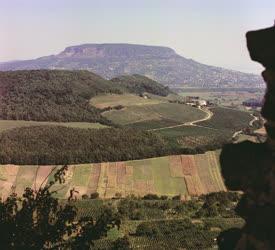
(195, 101)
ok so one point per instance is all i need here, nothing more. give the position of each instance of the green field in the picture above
(11, 124)
(178, 113)
(226, 118)
(195, 136)
(112, 100)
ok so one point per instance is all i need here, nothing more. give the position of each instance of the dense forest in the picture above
(44, 95)
(63, 145)
(139, 84)
(60, 145)
(56, 95)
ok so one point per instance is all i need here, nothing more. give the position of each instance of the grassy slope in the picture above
(177, 113)
(225, 118)
(112, 100)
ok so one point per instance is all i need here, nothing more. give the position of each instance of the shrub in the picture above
(150, 197)
(146, 229)
(85, 197)
(94, 195)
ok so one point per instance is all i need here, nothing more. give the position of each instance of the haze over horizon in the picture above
(210, 32)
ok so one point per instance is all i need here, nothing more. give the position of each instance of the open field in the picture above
(125, 100)
(196, 136)
(226, 118)
(177, 113)
(187, 175)
(11, 124)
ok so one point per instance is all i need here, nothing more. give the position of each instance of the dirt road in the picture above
(208, 116)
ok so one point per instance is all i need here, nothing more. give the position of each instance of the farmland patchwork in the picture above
(187, 175)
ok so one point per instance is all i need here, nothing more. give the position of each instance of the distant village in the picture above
(196, 101)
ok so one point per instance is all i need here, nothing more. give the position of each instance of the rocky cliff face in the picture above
(118, 51)
(159, 63)
(250, 167)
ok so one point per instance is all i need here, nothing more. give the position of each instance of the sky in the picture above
(208, 31)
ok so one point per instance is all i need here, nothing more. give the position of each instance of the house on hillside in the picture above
(197, 103)
(201, 103)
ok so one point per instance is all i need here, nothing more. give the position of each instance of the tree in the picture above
(94, 195)
(38, 220)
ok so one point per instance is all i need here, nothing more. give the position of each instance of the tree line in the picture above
(61, 145)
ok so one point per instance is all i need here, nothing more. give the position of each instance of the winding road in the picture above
(255, 118)
(208, 116)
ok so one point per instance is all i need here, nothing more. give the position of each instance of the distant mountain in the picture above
(159, 63)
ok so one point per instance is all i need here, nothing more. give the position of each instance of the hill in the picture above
(44, 95)
(159, 63)
(171, 175)
(58, 95)
(154, 115)
(139, 84)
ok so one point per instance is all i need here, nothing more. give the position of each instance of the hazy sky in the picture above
(209, 31)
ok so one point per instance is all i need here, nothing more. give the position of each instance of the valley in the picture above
(81, 118)
(137, 125)
(130, 146)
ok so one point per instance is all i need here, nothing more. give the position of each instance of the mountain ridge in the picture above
(159, 63)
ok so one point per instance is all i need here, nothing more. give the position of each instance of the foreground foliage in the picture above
(38, 221)
(153, 222)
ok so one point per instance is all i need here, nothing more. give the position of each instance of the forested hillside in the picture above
(57, 95)
(44, 95)
(139, 84)
(60, 145)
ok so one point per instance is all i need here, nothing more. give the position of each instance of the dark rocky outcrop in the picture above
(250, 167)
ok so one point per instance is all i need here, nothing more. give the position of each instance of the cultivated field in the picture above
(175, 113)
(125, 100)
(226, 118)
(11, 124)
(196, 136)
(187, 175)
